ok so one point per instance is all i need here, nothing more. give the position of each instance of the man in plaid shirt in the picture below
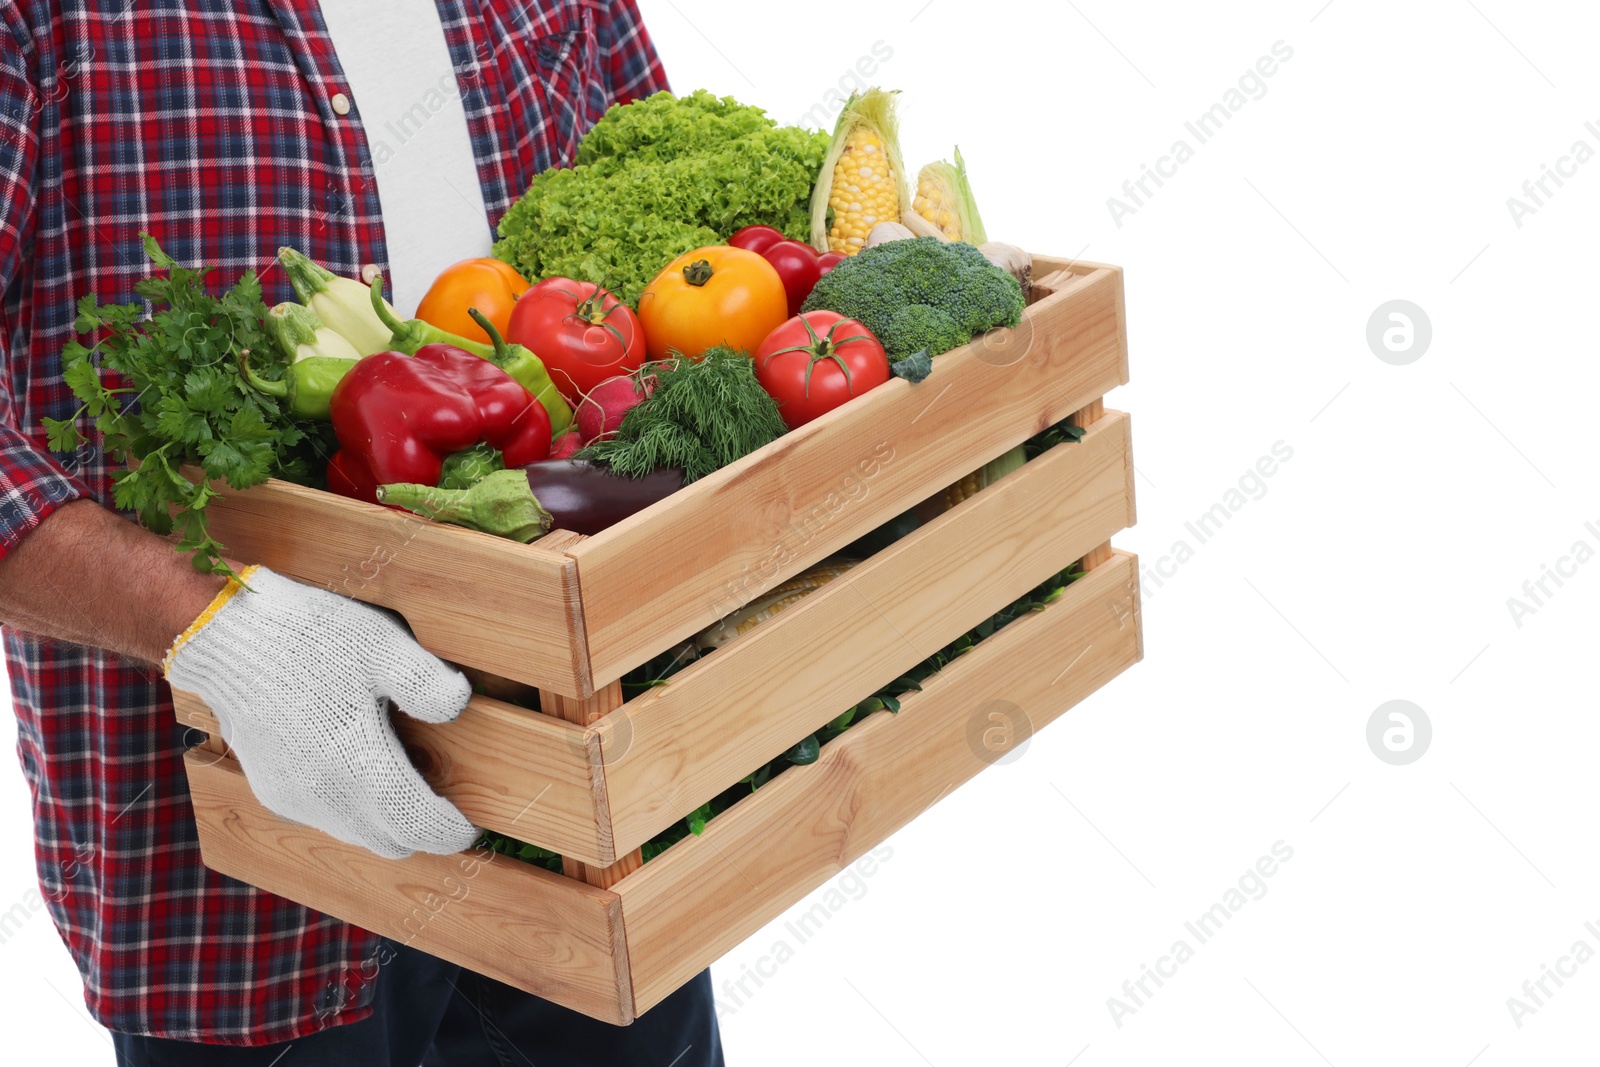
(227, 128)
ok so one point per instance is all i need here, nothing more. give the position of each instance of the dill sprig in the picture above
(702, 416)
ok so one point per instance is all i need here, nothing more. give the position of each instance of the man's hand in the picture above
(301, 679)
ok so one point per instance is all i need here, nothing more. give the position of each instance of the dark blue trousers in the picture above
(428, 1013)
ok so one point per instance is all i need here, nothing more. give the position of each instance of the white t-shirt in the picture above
(403, 86)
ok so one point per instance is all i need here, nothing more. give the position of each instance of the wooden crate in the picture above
(614, 953)
(593, 778)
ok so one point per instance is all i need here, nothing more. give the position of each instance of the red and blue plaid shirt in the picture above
(209, 123)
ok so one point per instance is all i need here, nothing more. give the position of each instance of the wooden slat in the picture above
(552, 936)
(471, 598)
(803, 667)
(531, 776)
(692, 904)
(1088, 415)
(585, 712)
(1044, 265)
(680, 565)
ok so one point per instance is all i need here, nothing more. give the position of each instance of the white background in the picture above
(1376, 566)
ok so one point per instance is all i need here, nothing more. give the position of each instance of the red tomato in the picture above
(756, 238)
(796, 264)
(817, 361)
(829, 260)
(583, 333)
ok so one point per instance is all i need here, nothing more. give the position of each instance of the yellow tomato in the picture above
(717, 295)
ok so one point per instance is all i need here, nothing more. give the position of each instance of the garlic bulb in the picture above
(884, 232)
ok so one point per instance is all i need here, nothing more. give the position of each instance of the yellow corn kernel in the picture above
(865, 191)
(862, 180)
(983, 477)
(772, 602)
(944, 198)
(767, 611)
(966, 487)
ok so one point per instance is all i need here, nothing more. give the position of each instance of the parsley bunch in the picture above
(185, 401)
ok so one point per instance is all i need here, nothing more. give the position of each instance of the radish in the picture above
(566, 446)
(600, 411)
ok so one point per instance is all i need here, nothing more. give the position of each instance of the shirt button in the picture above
(369, 271)
(341, 104)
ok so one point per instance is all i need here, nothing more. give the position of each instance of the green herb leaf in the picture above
(702, 416)
(168, 392)
(914, 368)
(62, 434)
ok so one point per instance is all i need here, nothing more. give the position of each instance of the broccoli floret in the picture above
(921, 293)
(918, 326)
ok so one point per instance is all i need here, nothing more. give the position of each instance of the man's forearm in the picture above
(89, 576)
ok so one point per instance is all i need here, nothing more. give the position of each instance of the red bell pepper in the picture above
(399, 417)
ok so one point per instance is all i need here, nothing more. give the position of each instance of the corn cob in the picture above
(984, 477)
(944, 198)
(863, 178)
(772, 602)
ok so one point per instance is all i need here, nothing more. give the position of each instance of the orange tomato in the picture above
(717, 295)
(486, 284)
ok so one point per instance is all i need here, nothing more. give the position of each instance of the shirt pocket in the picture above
(565, 83)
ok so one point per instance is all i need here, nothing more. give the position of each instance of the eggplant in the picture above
(525, 503)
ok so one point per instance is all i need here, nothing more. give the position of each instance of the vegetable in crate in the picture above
(525, 504)
(770, 603)
(566, 445)
(862, 182)
(703, 415)
(985, 476)
(299, 335)
(796, 262)
(944, 199)
(344, 304)
(583, 333)
(655, 178)
(318, 359)
(602, 411)
(484, 283)
(921, 294)
(400, 418)
(181, 365)
(717, 295)
(526, 368)
(817, 361)
(1013, 260)
(756, 238)
(307, 385)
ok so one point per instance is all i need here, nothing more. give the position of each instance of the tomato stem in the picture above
(698, 272)
(822, 348)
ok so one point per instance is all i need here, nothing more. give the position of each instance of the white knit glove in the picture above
(301, 679)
